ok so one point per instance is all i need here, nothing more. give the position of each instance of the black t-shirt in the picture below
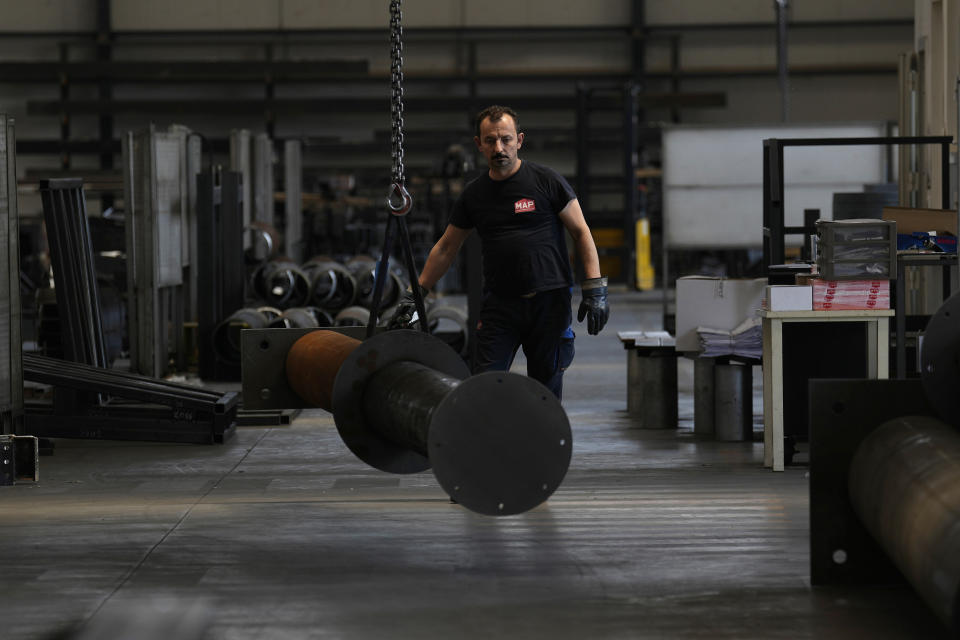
(524, 243)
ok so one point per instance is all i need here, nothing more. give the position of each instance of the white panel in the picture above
(713, 179)
(194, 14)
(49, 15)
(547, 13)
(730, 11)
(366, 14)
(851, 10)
(734, 11)
(169, 210)
(732, 217)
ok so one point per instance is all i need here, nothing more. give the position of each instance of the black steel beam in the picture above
(300, 36)
(355, 72)
(774, 186)
(182, 71)
(356, 105)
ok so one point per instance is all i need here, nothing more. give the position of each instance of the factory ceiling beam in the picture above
(356, 72)
(355, 105)
(183, 71)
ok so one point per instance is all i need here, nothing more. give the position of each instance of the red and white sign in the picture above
(526, 205)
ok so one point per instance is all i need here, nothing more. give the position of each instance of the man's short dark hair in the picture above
(495, 112)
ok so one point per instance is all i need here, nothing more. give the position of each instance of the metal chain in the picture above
(396, 91)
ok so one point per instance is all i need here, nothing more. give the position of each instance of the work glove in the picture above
(405, 313)
(594, 305)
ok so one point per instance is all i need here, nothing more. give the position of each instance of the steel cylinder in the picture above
(281, 283)
(652, 392)
(364, 271)
(400, 400)
(450, 325)
(302, 318)
(332, 286)
(313, 362)
(733, 402)
(403, 402)
(226, 335)
(353, 316)
(904, 485)
(703, 396)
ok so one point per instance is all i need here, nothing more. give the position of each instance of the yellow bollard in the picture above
(645, 272)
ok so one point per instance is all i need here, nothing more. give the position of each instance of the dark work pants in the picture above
(540, 324)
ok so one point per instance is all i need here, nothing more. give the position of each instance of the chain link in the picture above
(396, 93)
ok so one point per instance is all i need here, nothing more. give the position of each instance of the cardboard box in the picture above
(850, 294)
(909, 220)
(720, 303)
(784, 297)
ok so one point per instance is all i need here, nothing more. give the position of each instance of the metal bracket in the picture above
(19, 459)
(264, 358)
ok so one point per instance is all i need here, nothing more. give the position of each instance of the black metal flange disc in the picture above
(500, 443)
(940, 361)
(372, 355)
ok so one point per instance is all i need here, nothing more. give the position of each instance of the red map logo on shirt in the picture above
(526, 205)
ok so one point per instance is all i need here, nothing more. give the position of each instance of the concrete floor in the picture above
(282, 533)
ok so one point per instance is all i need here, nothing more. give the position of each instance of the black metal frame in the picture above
(186, 413)
(942, 260)
(774, 229)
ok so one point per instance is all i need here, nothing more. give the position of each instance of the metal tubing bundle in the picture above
(332, 286)
(354, 316)
(281, 283)
(302, 318)
(226, 335)
(499, 443)
(904, 484)
(364, 270)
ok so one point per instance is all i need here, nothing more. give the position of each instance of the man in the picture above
(521, 210)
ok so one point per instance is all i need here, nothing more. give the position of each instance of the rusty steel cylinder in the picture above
(313, 363)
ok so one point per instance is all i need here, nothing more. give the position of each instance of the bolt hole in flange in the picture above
(264, 345)
(838, 408)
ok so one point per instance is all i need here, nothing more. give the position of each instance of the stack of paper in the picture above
(851, 294)
(746, 340)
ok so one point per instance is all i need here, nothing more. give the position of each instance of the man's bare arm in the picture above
(573, 220)
(442, 255)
